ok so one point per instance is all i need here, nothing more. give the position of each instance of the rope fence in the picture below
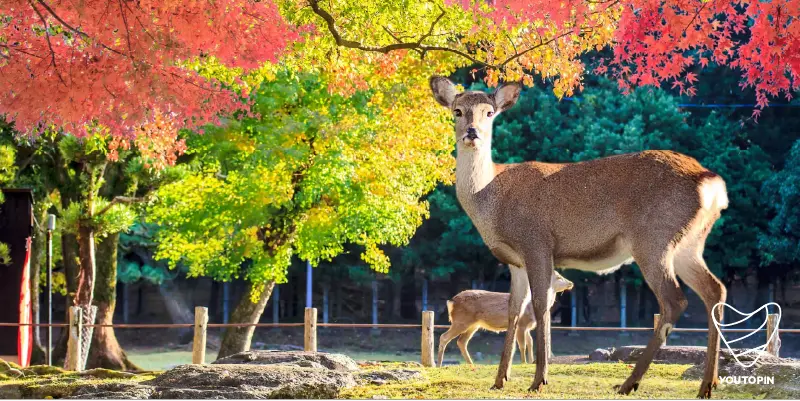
(310, 325)
(367, 326)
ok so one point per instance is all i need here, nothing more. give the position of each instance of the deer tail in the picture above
(450, 311)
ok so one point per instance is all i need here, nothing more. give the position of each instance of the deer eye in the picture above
(489, 113)
(458, 113)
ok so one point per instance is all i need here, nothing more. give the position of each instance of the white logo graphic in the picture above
(755, 350)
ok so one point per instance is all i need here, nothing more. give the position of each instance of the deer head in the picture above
(474, 111)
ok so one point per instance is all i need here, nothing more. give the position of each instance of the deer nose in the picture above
(472, 133)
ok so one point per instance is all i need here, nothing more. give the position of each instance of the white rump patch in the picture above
(713, 194)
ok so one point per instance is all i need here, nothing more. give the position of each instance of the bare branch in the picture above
(127, 30)
(433, 25)
(82, 34)
(119, 200)
(49, 43)
(418, 46)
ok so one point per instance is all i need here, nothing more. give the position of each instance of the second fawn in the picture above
(471, 310)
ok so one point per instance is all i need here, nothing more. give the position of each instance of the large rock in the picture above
(601, 354)
(381, 377)
(113, 391)
(338, 362)
(220, 382)
(667, 354)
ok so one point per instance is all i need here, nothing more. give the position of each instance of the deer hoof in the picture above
(496, 386)
(705, 390)
(537, 386)
(626, 388)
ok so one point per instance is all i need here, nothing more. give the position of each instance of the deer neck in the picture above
(474, 171)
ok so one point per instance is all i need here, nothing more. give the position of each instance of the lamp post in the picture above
(51, 226)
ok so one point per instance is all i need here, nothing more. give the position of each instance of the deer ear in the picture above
(506, 96)
(444, 91)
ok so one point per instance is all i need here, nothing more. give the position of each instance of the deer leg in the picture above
(521, 343)
(529, 346)
(463, 341)
(520, 294)
(540, 272)
(692, 269)
(445, 339)
(657, 269)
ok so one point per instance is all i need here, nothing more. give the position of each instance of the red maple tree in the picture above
(670, 41)
(116, 62)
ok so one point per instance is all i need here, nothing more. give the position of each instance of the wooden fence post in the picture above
(774, 344)
(199, 343)
(310, 330)
(72, 360)
(427, 339)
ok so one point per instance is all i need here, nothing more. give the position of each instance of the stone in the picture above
(314, 360)
(601, 354)
(218, 381)
(381, 377)
(114, 391)
(666, 354)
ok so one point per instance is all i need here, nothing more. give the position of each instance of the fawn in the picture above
(471, 310)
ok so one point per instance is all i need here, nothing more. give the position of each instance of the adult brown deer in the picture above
(652, 207)
(471, 310)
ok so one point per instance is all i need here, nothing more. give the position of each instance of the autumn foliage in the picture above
(67, 64)
(668, 42)
(117, 63)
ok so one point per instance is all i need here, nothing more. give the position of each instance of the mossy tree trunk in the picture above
(105, 351)
(237, 339)
(38, 356)
(69, 256)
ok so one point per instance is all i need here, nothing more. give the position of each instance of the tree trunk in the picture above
(69, 256)
(288, 311)
(38, 356)
(408, 296)
(339, 302)
(105, 351)
(213, 303)
(178, 310)
(86, 275)
(237, 339)
(394, 287)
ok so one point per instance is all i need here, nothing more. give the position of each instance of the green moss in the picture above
(589, 381)
(41, 370)
(60, 385)
(106, 374)
(5, 366)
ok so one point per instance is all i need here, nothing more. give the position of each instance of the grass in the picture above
(589, 381)
(566, 381)
(163, 360)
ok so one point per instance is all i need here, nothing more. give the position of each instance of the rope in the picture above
(362, 326)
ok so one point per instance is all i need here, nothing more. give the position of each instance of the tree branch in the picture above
(119, 200)
(418, 46)
(49, 43)
(82, 34)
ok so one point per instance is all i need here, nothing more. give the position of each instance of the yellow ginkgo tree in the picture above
(308, 172)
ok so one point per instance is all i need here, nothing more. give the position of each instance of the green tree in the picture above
(307, 173)
(781, 192)
(92, 194)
